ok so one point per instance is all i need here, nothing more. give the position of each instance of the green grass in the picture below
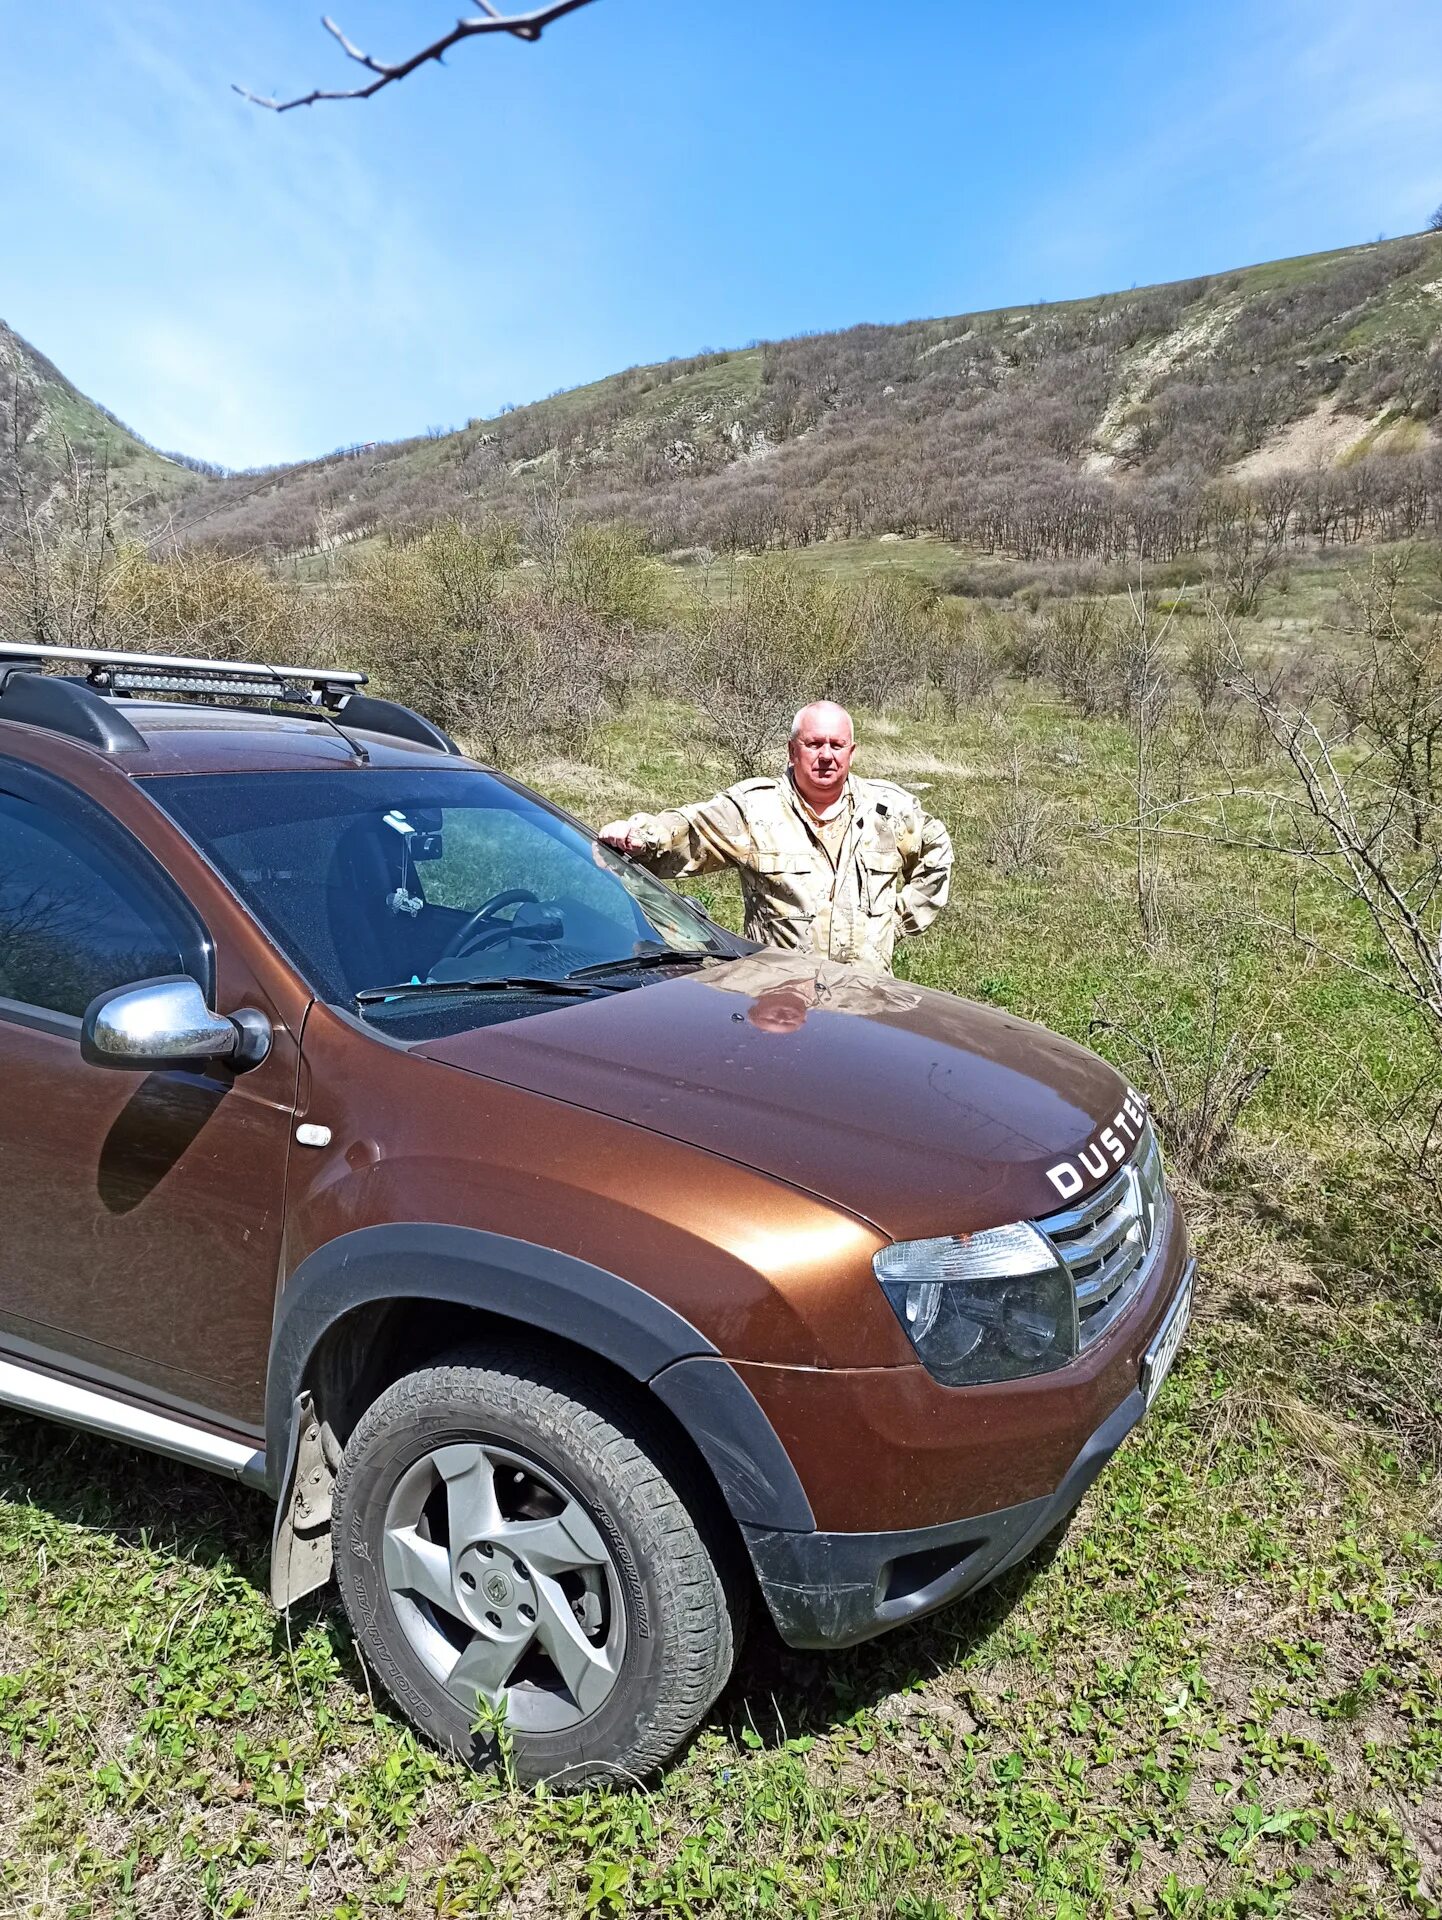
(654, 390)
(934, 563)
(1217, 1696)
(1274, 275)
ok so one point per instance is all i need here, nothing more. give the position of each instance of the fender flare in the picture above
(551, 1292)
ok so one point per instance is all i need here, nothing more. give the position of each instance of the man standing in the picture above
(830, 864)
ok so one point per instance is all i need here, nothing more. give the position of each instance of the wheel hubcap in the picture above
(504, 1586)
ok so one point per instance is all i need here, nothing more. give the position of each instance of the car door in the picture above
(140, 1213)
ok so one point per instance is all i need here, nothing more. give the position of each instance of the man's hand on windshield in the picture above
(619, 836)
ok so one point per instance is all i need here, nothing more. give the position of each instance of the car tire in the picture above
(532, 1569)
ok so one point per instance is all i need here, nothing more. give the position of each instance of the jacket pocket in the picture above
(881, 874)
(766, 861)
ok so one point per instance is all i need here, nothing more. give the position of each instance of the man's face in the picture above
(779, 1010)
(821, 753)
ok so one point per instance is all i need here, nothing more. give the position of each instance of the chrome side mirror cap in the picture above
(166, 1023)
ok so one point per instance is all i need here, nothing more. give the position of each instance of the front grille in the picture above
(1107, 1241)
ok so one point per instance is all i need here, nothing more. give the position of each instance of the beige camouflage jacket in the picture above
(890, 875)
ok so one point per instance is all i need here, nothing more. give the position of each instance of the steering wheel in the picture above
(464, 939)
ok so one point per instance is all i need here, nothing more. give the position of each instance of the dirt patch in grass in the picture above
(1321, 438)
(1195, 337)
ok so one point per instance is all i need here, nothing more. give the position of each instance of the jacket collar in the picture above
(845, 804)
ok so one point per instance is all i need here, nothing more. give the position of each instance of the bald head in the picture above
(779, 1010)
(823, 741)
(823, 716)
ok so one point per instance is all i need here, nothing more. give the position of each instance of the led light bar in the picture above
(125, 681)
(104, 663)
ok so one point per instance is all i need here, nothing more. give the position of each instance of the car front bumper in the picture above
(832, 1589)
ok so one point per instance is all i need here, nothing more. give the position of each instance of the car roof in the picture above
(182, 737)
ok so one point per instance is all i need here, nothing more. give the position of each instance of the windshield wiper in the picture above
(671, 957)
(504, 983)
(580, 981)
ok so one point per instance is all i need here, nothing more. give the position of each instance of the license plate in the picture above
(1157, 1361)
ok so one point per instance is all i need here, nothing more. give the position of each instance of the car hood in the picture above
(922, 1113)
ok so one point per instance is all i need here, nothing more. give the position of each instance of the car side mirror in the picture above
(166, 1023)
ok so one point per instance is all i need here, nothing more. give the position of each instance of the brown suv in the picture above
(568, 1270)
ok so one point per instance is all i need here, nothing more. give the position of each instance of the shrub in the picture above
(884, 625)
(1078, 653)
(1248, 544)
(1204, 666)
(1021, 830)
(1201, 1065)
(758, 655)
(504, 665)
(201, 602)
(965, 661)
(606, 571)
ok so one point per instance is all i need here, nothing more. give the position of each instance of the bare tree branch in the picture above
(520, 26)
(1340, 824)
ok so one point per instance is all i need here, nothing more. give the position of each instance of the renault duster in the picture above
(571, 1274)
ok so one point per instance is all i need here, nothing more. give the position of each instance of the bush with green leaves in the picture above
(606, 571)
(757, 655)
(508, 667)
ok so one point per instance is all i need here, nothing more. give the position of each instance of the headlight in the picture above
(985, 1306)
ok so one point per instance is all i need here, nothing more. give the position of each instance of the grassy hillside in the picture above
(1084, 427)
(42, 414)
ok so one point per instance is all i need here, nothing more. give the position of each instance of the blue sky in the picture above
(657, 176)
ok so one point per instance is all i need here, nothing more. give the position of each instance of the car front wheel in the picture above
(516, 1551)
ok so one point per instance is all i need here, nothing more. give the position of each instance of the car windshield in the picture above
(371, 879)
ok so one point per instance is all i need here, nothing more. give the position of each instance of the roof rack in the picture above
(83, 708)
(109, 671)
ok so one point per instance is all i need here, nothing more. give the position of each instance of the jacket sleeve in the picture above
(695, 839)
(927, 879)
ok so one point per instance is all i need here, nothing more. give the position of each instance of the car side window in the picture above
(75, 920)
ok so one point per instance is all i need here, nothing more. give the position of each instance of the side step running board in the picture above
(100, 1412)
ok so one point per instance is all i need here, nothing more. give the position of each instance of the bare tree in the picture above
(1349, 819)
(549, 518)
(1145, 696)
(521, 26)
(1248, 545)
(58, 539)
(1434, 225)
(1390, 692)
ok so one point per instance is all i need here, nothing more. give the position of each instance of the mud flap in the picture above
(301, 1554)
